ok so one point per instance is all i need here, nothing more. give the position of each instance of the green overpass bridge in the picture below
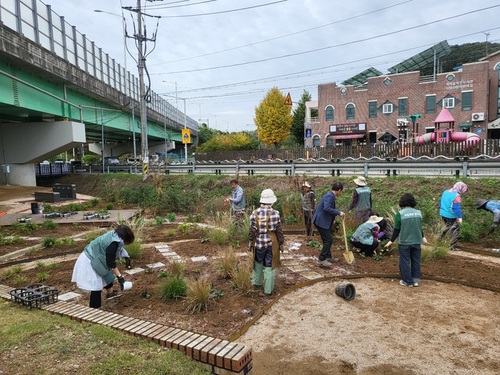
(60, 92)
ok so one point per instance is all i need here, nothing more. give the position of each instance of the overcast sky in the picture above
(225, 55)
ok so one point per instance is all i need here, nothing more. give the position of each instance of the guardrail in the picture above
(461, 167)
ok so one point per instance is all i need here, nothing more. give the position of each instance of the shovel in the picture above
(348, 254)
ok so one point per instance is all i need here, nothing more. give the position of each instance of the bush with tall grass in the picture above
(173, 288)
(177, 269)
(241, 276)
(198, 295)
(225, 262)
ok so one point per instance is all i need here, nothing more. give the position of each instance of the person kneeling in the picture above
(366, 237)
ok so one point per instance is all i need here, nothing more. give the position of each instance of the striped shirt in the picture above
(262, 221)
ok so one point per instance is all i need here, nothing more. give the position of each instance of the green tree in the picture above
(205, 134)
(229, 142)
(273, 118)
(299, 117)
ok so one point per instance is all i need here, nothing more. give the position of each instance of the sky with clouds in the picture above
(223, 56)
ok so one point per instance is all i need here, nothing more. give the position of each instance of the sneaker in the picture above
(332, 260)
(114, 294)
(401, 282)
(415, 285)
(325, 264)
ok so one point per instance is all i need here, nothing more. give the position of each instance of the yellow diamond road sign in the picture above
(288, 99)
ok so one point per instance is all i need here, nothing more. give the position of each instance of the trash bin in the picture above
(36, 208)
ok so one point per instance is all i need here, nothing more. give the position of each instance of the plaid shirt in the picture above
(262, 221)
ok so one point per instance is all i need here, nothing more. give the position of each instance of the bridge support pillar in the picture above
(19, 174)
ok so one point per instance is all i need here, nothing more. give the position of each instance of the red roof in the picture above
(444, 116)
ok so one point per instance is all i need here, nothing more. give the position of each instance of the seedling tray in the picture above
(34, 296)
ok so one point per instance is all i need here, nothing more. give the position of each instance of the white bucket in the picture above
(127, 285)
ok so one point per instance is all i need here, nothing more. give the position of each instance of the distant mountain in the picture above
(462, 54)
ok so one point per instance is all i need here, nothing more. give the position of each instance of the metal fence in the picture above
(489, 148)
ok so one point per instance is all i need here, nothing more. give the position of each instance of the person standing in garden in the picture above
(323, 219)
(308, 199)
(493, 207)
(266, 241)
(237, 201)
(96, 267)
(408, 231)
(451, 212)
(361, 200)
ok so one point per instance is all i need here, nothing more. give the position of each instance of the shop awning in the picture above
(348, 136)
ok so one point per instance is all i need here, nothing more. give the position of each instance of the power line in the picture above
(288, 35)
(333, 46)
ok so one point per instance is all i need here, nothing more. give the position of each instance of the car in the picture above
(109, 160)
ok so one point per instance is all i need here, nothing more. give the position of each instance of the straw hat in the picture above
(360, 181)
(267, 197)
(480, 203)
(375, 219)
(306, 184)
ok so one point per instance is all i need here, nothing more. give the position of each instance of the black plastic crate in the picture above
(35, 295)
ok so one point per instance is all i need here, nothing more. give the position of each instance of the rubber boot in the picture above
(257, 274)
(269, 276)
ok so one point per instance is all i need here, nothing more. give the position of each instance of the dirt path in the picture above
(437, 328)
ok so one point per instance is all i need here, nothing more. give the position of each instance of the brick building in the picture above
(387, 107)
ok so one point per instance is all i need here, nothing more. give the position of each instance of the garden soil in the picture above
(448, 325)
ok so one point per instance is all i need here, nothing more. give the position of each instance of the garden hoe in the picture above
(348, 254)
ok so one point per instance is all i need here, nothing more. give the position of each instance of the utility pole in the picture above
(142, 100)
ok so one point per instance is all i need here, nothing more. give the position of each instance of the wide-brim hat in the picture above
(306, 184)
(375, 219)
(267, 197)
(480, 203)
(361, 181)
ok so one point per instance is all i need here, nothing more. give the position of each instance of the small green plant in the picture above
(94, 202)
(215, 293)
(171, 217)
(20, 280)
(10, 240)
(67, 241)
(109, 206)
(290, 219)
(10, 273)
(198, 295)
(159, 220)
(314, 243)
(29, 227)
(146, 294)
(49, 242)
(164, 273)
(184, 228)
(42, 277)
(173, 288)
(49, 224)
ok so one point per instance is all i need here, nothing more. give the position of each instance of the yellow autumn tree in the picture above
(273, 118)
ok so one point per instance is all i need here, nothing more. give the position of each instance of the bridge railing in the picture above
(40, 24)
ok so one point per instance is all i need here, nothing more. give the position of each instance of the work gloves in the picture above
(121, 281)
